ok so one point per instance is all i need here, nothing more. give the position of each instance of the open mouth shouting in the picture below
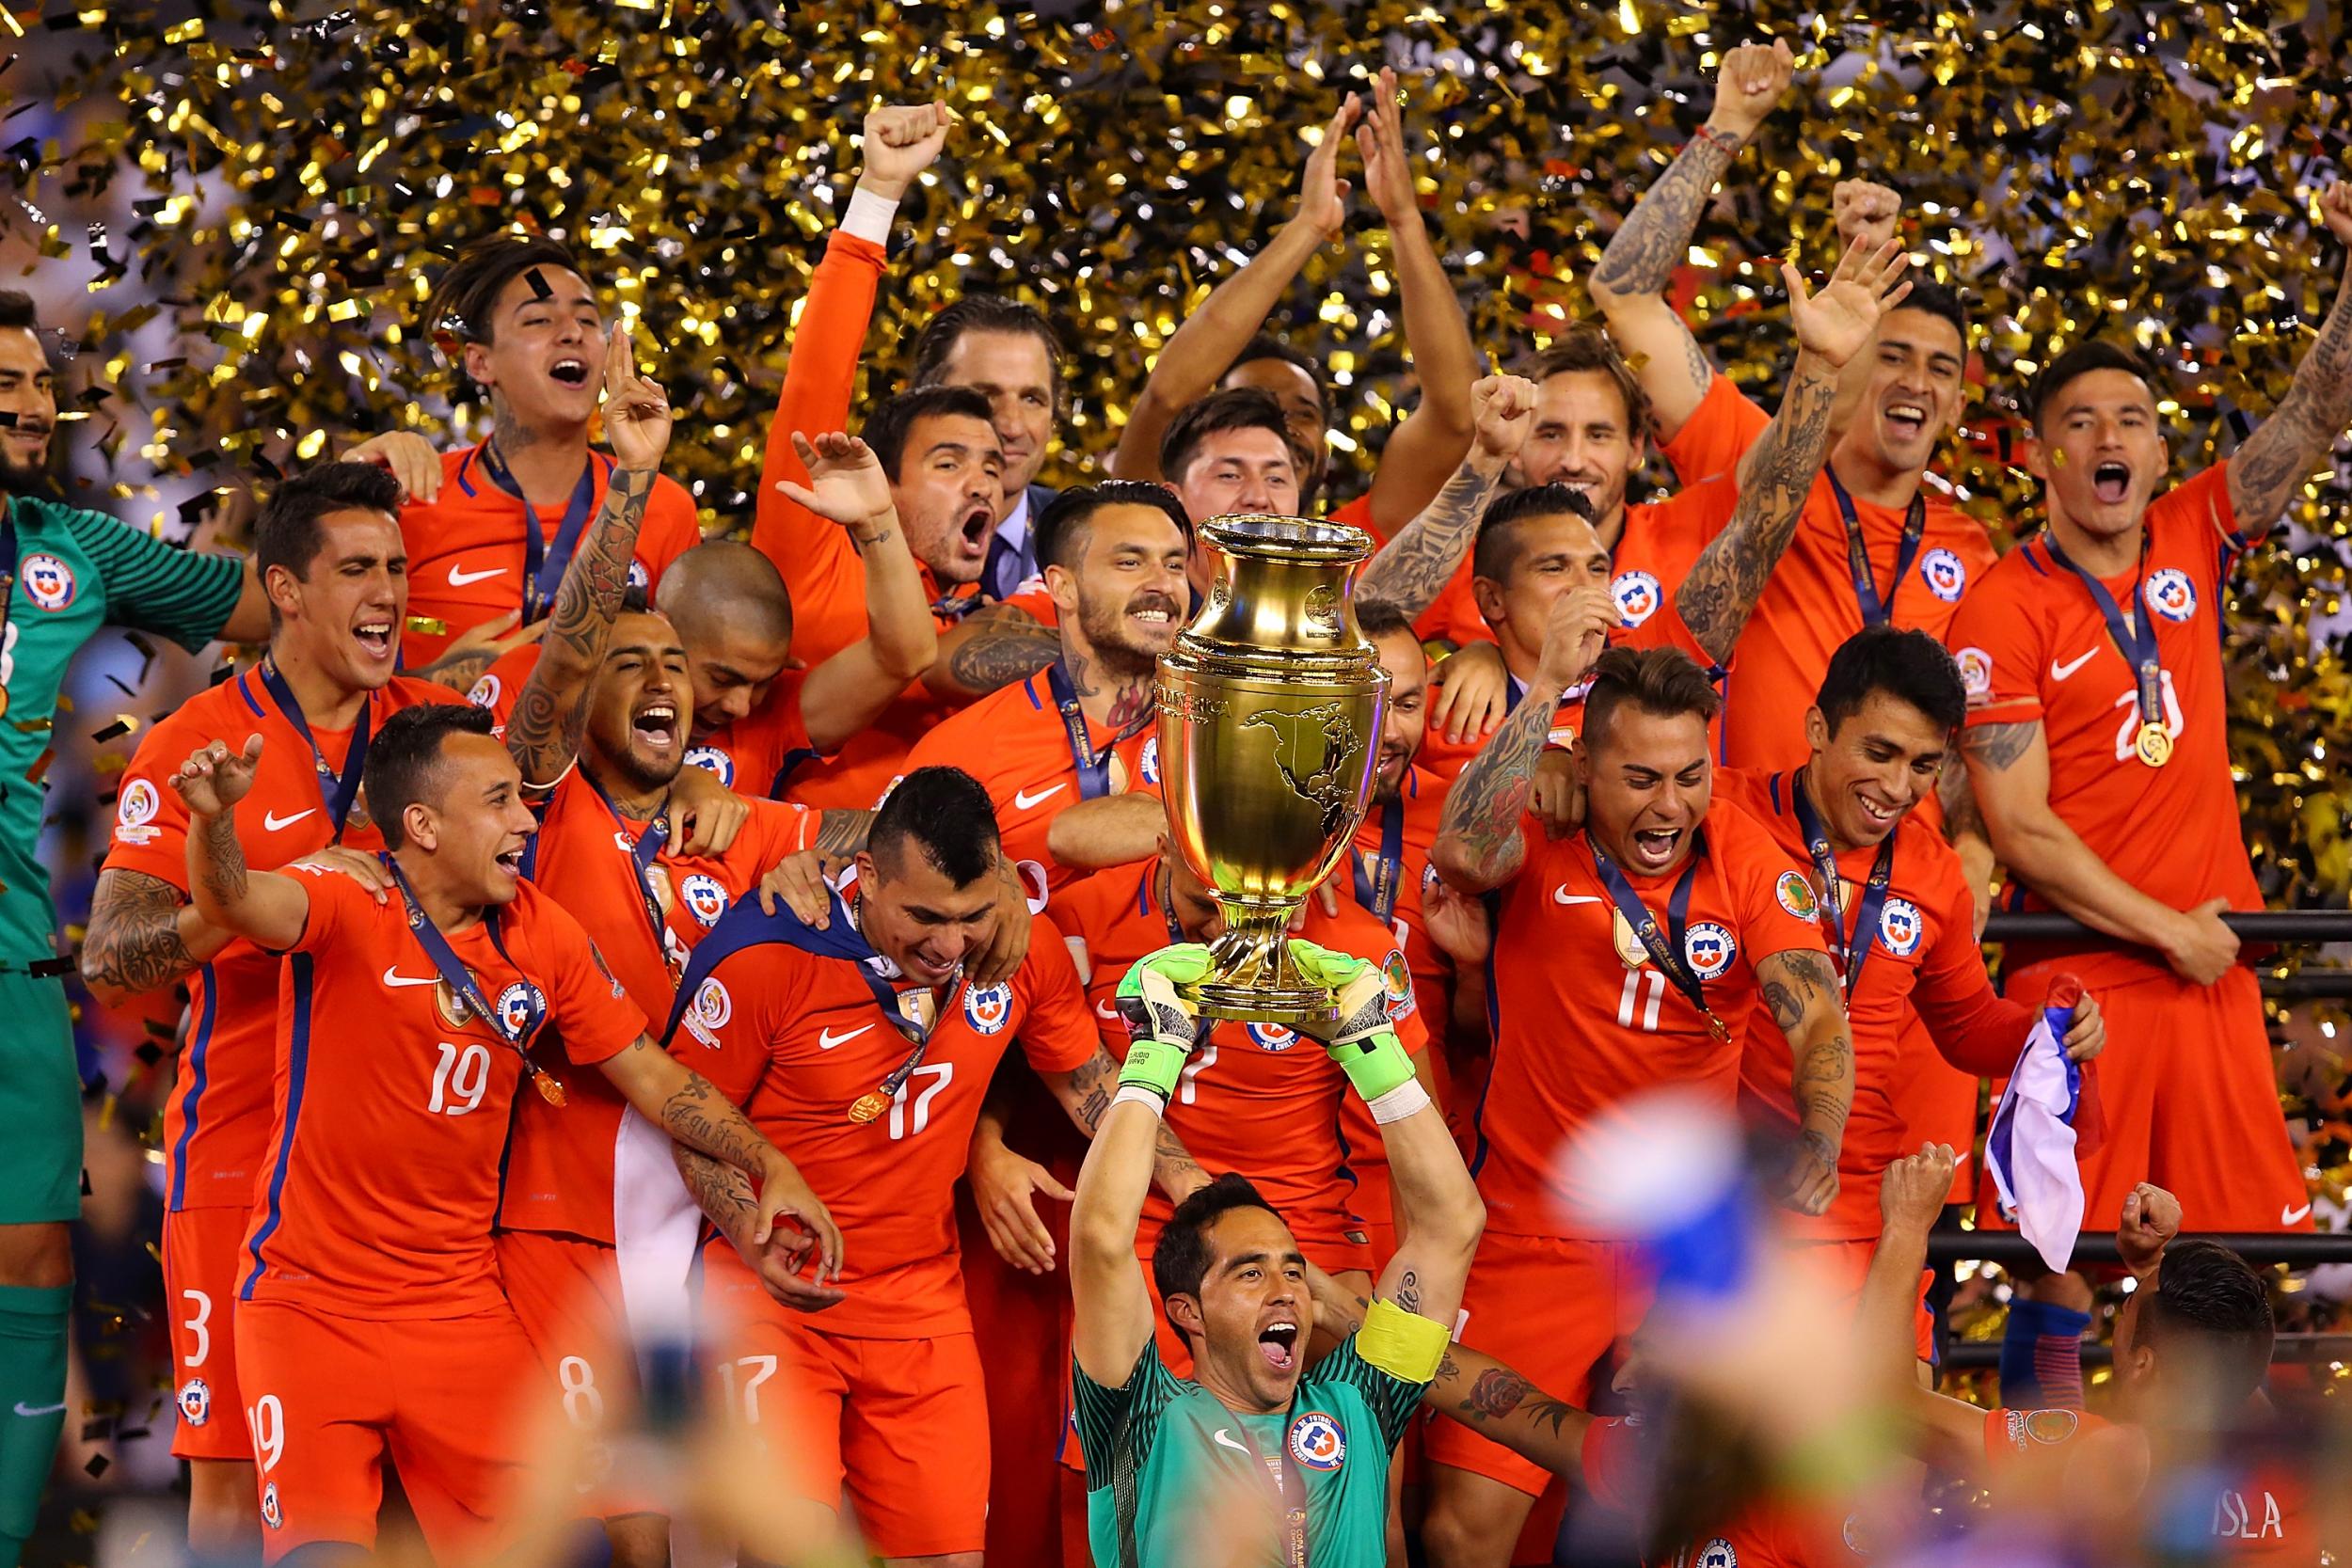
(374, 637)
(1279, 1343)
(1654, 848)
(972, 533)
(1906, 419)
(571, 370)
(511, 860)
(656, 725)
(2111, 481)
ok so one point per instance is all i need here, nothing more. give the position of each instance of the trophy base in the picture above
(1254, 980)
(1249, 1005)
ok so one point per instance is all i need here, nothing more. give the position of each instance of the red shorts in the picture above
(329, 1400)
(201, 1250)
(1848, 1263)
(900, 1424)
(2190, 1096)
(1550, 1308)
(566, 1293)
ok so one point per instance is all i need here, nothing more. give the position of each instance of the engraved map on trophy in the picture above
(1315, 750)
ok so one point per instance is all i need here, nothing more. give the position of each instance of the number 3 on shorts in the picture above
(195, 1323)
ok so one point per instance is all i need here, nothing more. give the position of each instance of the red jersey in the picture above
(1810, 607)
(1254, 1097)
(216, 1122)
(559, 1169)
(393, 1100)
(467, 553)
(1406, 827)
(2034, 646)
(1617, 1472)
(2257, 1512)
(797, 1038)
(1919, 955)
(1584, 1019)
(1017, 743)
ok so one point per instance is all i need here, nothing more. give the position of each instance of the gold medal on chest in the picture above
(2154, 743)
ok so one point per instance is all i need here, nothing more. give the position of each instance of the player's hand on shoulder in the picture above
(360, 866)
(215, 778)
(1000, 958)
(2088, 1034)
(1469, 692)
(408, 457)
(800, 884)
(2152, 1218)
(1914, 1188)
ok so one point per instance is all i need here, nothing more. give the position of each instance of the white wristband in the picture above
(1400, 1102)
(869, 215)
(1137, 1094)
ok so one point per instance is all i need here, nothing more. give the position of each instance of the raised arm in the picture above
(2278, 459)
(1910, 1195)
(1414, 567)
(143, 935)
(1802, 989)
(849, 691)
(1629, 286)
(1717, 596)
(1216, 333)
(1085, 1094)
(551, 710)
(1478, 846)
(264, 907)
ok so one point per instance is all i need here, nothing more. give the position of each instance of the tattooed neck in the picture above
(1114, 687)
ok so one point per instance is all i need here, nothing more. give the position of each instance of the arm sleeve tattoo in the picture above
(551, 710)
(2000, 745)
(1717, 598)
(1484, 807)
(132, 945)
(1414, 567)
(2284, 451)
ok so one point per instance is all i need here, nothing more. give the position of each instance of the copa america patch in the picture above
(710, 759)
(1148, 760)
(48, 581)
(520, 1007)
(987, 1010)
(2171, 595)
(705, 897)
(1945, 573)
(135, 812)
(1638, 596)
(1709, 948)
(1900, 928)
(486, 691)
(196, 1401)
(1317, 1442)
(1396, 979)
(1975, 674)
(712, 1009)
(1270, 1037)
(272, 1514)
(2052, 1426)
(1796, 896)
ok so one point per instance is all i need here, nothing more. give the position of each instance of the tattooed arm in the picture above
(1414, 567)
(1439, 1215)
(726, 1198)
(1085, 1092)
(1717, 598)
(991, 649)
(1478, 846)
(1802, 989)
(2278, 459)
(143, 935)
(264, 907)
(1965, 831)
(841, 833)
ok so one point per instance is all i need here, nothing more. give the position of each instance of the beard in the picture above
(1117, 642)
(18, 478)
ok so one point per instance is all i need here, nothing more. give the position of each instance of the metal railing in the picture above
(2262, 925)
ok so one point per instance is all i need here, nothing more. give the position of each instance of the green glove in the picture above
(1161, 1025)
(1363, 1041)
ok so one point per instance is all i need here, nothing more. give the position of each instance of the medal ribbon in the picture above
(1850, 957)
(1378, 891)
(1093, 767)
(1877, 612)
(2135, 635)
(455, 976)
(648, 846)
(1163, 887)
(545, 564)
(339, 791)
(1289, 1494)
(1663, 947)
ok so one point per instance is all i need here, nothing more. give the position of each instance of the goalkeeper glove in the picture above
(1161, 1025)
(1363, 1041)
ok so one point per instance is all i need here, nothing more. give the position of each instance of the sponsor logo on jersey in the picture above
(48, 581)
(486, 691)
(1638, 596)
(196, 1401)
(135, 812)
(1148, 760)
(1796, 896)
(272, 1514)
(1899, 926)
(2171, 595)
(1270, 1037)
(1396, 979)
(710, 759)
(705, 898)
(1975, 674)
(1946, 575)
(520, 1007)
(1317, 1442)
(989, 1009)
(712, 1009)
(1709, 948)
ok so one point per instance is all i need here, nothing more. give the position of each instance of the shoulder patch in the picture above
(1975, 674)
(712, 1009)
(2052, 1426)
(135, 811)
(1796, 896)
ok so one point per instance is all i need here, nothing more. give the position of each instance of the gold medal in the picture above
(1629, 945)
(427, 625)
(869, 1106)
(549, 1090)
(2154, 743)
(1718, 1028)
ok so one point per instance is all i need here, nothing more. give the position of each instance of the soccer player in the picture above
(327, 545)
(1085, 728)
(404, 1024)
(1253, 1459)
(1875, 545)
(2097, 746)
(1706, 918)
(490, 529)
(867, 1047)
(1219, 344)
(67, 572)
(1007, 352)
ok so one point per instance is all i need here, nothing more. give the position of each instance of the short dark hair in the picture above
(891, 421)
(2097, 354)
(464, 300)
(1496, 552)
(942, 812)
(2209, 1297)
(1902, 661)
(1383, 618)
(403, 755)
(1937, 299)
(1664, 683)
(1181, 1258)
(1264, 346)
(17, 311)
(1587, 347)
(982, 313)
(1232, 409)
(1060, 531)
(287, 531)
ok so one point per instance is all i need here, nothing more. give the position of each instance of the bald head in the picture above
(733, 615)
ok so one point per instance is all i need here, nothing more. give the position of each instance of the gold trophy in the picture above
(1270, 708)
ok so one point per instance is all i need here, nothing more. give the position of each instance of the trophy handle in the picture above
(1254, 980)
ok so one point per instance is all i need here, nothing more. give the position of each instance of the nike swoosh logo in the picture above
(459, 578)
(2286, 1217)
(394, 977)
(826, 1040)
(23, 1409)
(2059, 672)
(1023, 800)
(1106, 1011)
(273, 821)
(1225, 1436)
(1562, 895)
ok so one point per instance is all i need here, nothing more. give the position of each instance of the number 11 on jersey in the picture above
(1636, 982)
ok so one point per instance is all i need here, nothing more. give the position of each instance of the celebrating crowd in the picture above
(604, 948)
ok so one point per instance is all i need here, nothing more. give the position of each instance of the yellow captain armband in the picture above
(1406, 1345)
